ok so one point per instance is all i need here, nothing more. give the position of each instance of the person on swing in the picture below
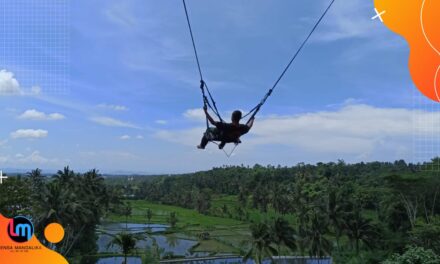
(225, 132)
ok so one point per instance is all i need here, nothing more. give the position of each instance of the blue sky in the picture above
(113, 85)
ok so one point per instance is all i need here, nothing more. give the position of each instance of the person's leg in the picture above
(203, 142)
(222, 145)
(210, 134)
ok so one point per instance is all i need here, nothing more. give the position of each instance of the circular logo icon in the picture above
(20, 229)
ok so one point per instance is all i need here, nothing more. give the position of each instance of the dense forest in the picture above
(367, 211)
(378, 212)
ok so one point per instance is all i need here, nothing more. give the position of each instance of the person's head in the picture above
(236, 116)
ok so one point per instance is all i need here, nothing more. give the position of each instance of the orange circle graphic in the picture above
(54, 233)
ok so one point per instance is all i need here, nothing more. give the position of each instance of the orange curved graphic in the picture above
(417, 21)
(30, 252)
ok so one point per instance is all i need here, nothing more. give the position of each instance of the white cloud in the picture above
(196, 114)
(3, 142)
(33, 114)
(4, 159)
(125, 137)
(107, 155)
(189, 137)
(56, 116)
(348, 19)
(161, 122)
(348, 101)
(113, 107)
(31, 159)
(29, 133)
(356, 129)
(35, 90)
(34, 158)
(8, 84)
(121, 14)
(108, 121)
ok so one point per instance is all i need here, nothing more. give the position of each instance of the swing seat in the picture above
(213, 134)
(236, 142)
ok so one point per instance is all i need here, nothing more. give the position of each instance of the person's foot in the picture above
(200, 147)
(221, 146)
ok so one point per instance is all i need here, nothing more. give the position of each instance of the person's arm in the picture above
(210, 119)
(250, 123)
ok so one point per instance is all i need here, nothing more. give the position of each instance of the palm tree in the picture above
(173, 219)
(127, 213)
(63, 206)
(156, 250)
(65, 177)
(149, 215)
(37, 187)
(172, 240)
(283, 234)
(75, 201)
(94, 181)
(260, 243)
(37, 181)
(93, 189)
(152, 253)
(359, 229)
(319, 246)
(126, 241)
(335, 214)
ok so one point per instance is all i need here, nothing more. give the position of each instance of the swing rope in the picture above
(210, 102)
(224, 151)
(203, 86)
(255, 110)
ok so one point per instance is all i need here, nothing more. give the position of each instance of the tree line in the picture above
(363, 211)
